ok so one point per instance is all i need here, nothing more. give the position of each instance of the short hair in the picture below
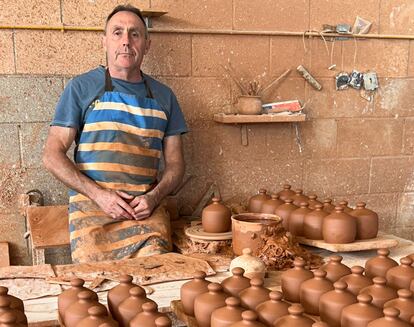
(128, 8)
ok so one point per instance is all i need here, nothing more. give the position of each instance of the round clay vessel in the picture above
(253, 266)
(400, 276)
(251, 297)
(390, 320)
(97, 315)
(312, 202)
(311, 291)
(299, 197)
(132, 305)
(79, 310)
(227, 315)
(9, 319)
(15, 302)
(356, 281)
(344, 204)
(118, 294)
(5, 308)
(269, 206)
(284, 211)
(272, 309)
(296, 219)
(339, 227)
(163, 321)
(335, 269)
(295, 318)
(367, 222)
(233, 285)
(249, 319)
(206, 303)
(147, 317)
(292, 279)
(333, 302)
(286, 193)
(380, 292)
(191, 289)
(256, 201)
(328, 206)
(320, 324)
(404, 303)
(312, 223)
(379, 265)
(361, 313)
(216, 217)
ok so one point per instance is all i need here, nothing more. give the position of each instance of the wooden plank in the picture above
(30, 288)
(4, 254)
(41, 271)
(153, 12)
(49, 226)
(266, 118)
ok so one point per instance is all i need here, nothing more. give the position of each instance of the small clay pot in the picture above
(312, 202)
(344, 204)
(390, 320)
(296, 219)
(404, 303)
(227, 315)
(333, 302)
(286, 193)
(328, 206)
(206, 303)
(299, 197)
(15, 302)
(284, 211)
(252, 265)
(233, 285)
(356, 281)
(216, 217)
(367, 222)
(379, 265)
(272, 309)
(380, 292)
(132, 305)
(256, 201)
(191, 289)
(400, 277)
(97, 315)
(295, 318)
(335, 269)
(269, 206)
(313, 222)
(78, 310)
(162, 321)
(147, 317)
(361, 313)
(251, 297)
(249, 319)
(311, 291)
(6, 308)
(9, 319)
(118, 294)
(292, 279)
(339, 227)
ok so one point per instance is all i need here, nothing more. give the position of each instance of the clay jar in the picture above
(253, 266)
(5, 307)
(295, 318)
(206, 303)
(380, 292)
(15, 302)
(132, 305)
(361, 313)
(312, 223)
(367, 222)
(9, 319)
(269, 206)
(286, 193)
(292, 279)
(299, 197)
(344, 204)
(235, 284)
(312, 201)
(251, 297)
(284, 211)
(333, 302)
(256, 201)
(228, 315)
(404, 303)
(328, 206)
(401, 276)
(216, 217)
(191, 289)
(97, 316)
(296, 219)
(147, 317)
(249, 319)
(356, 281)
(390, 320)
(272, 309)
(118, 294)
(78, 310)
(339, 227)
(379, 265)
(311, 291)
(335, 269)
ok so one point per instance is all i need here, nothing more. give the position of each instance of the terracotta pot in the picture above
(15, 302)
(118, 294)
(216, 217)
(235, 284)
(312, 223)
(191, 289)
(412, 286)
(299, 197)
(356, 281)
(335, 269)
(333, 302)
(251, 297)
(249, 319)
(147, 317)
(247, 228)
(312, 202)
(286, 193)
(206, 303)
(284, 211)
(252, 266)
(5, 308)
(9, 319)
(132, 305)
(78, 310)
(401, 276)
(292, 279)
(339, 227)
(390, 320)
(256, 201)
(272, 309)
(320, 324)
(295, 318)
(328, 206)
(97, 315)
(380, 292)
(249, 105)
(344, 204)
(367, 222)
(269, 206)
(227, 315)
(361, 313)
(296, 219)
(404, 303)
(162, 322)
(312, 289)
(379, 265)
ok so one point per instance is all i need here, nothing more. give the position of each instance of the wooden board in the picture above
(4, 254)
(266, 118)
(40, 271)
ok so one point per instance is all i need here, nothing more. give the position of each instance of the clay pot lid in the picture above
(357, 270)
(97, 311)
(274, 196)
(361, 205)
(327, 201)
(5, 302)
(287, 187)
(379, 281)
(340, 285)
(199, 274)
(298, 191)
(335, 258)
(77, 282)
(85, 295)
(232, 301)
(296, 309)
(318, 207)
(150, 306)
(404, 294)
(383, 252)
(249, 315)
(304, 204)
(126, 279)
(237, 271)
(256, 282)
(343, 203)
(262, 191)
(214, 287)
(136, 291)
(163, 322)
(312, 197)
(406, 261)
(391, 312)
(275, 296)
(3, 290)
(339, 209)
(288, 200)
(299, 262)
(8, 318)
(216, 199)
(319, 273)
(364, 298)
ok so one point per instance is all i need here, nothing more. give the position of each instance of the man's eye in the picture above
(117, 33)
(135, 34)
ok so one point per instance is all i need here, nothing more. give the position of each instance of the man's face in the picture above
(125, 42)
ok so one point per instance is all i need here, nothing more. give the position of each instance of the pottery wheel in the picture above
(197, 232)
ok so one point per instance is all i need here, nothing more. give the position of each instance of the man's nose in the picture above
(125, 39)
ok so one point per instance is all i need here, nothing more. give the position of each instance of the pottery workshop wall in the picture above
(349, 148)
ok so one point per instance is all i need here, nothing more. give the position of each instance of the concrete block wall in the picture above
(348, 148)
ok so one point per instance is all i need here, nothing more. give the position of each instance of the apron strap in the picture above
(108, 81)
(149, 93)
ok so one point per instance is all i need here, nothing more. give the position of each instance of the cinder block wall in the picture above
(348, 148)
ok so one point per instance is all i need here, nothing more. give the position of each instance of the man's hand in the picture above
(114, 204)
(143, 206)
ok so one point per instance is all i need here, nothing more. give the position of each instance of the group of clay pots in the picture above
(127, 302)
(345, 297)
(11, 310)
(306, 216)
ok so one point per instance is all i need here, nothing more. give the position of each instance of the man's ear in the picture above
(147, 45)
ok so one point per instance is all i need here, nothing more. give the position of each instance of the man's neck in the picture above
(126, 74)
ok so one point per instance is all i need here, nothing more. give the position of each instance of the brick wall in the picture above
(351, 149)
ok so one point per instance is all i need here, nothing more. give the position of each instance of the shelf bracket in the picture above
(244, 134)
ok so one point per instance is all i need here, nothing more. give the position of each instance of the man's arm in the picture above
(171, 178)
(57, 162)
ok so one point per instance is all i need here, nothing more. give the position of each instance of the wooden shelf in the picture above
(265, 118)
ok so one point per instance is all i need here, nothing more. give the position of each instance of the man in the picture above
(122, 121)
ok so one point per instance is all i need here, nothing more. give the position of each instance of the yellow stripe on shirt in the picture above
(131, 109)
(104, 126)
(119, 147)
(107, 166)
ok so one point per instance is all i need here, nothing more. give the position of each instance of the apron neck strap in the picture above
(109, 87)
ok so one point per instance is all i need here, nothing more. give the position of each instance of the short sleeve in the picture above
(176, 122)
